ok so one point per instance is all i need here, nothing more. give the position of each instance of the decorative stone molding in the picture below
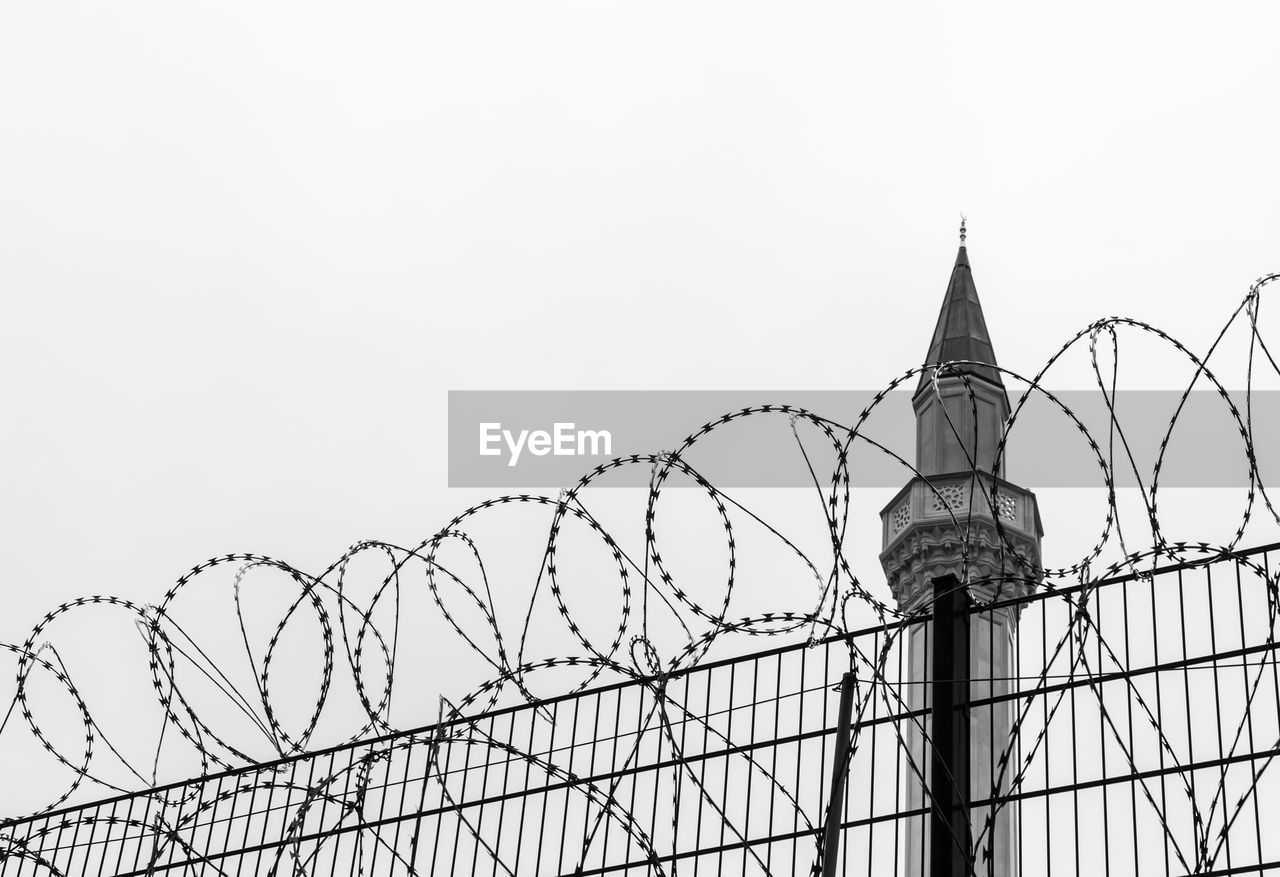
(901, 517)
(996, 571)
(1007, 507)
(950, 497)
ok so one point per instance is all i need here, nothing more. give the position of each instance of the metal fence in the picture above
(1127, 729)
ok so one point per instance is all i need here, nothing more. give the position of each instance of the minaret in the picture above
(941, 523)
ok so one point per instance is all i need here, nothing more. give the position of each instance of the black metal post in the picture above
(839, 771)
(950, 841)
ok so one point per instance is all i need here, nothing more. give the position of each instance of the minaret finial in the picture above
(962, 232)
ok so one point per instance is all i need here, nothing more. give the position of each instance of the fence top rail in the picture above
(1047, 593)
(437, 727)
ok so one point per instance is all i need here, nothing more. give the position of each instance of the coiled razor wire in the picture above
(348, 632)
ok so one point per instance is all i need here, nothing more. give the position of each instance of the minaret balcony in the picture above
(965, 496)
(933, 523)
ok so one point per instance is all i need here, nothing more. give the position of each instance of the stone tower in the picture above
(958, 507)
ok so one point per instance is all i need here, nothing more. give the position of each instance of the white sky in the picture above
(247, 248)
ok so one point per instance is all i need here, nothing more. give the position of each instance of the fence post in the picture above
(839, 771)
(949, 834)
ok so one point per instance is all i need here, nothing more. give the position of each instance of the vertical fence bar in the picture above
(839, 770)
(949, 784)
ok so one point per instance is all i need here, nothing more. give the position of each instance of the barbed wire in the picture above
(646, 584)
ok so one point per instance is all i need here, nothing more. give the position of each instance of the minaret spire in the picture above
(961, 333)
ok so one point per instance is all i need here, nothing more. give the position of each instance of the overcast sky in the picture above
(247, 248)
